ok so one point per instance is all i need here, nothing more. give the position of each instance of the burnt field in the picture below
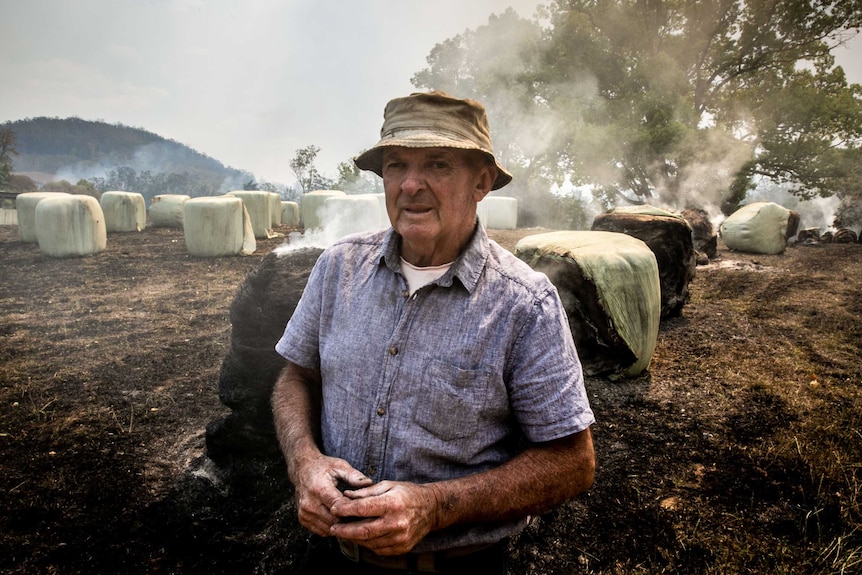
(739, 452)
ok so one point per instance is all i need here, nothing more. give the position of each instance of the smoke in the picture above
(814, 213)
(340, 217)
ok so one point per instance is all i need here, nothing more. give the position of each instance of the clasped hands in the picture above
(389, 517)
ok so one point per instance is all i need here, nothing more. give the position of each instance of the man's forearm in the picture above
(536, 480)
(296, 413)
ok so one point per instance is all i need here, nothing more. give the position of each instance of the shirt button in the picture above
(393, 350)
(370, 471)
(405, 293)
(381, 411)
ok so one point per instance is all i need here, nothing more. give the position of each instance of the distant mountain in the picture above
(74, 149)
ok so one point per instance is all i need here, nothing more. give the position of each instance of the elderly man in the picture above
(432, 398)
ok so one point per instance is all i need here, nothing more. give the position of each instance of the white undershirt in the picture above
(417, 277)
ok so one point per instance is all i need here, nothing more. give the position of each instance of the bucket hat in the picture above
(433, 120)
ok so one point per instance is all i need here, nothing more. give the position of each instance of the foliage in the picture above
(7, 150)
(308, 178)
(352, 180)
(675, 103)
(83, 187)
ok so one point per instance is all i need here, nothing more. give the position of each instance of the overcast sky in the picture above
(246, 82)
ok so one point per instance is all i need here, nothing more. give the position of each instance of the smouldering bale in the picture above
(703, 232)
(290, 213)
(25, 208)
(669, 237)
(311, 203)
(498, 213)
(71, 225)
(609, 285)
(844, 236)
(217, 226)
(124, 211)
(259, 206)
(166, 210)
(259, 311)
(759, 228)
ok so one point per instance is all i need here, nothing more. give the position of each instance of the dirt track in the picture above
(738, 453)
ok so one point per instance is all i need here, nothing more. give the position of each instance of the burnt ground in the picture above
(739, 452)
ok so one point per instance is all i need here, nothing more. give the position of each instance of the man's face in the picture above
(431, 197)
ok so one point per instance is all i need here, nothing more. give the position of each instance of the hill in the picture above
(72, 149)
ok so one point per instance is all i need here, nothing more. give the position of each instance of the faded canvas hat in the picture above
(433, 120)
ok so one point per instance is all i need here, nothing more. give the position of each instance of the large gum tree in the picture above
(672, 102)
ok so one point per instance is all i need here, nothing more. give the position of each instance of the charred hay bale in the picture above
(808, 236)
(703, 233)
(670, 238)
(609, 286)
(844, 236)
(259, 312)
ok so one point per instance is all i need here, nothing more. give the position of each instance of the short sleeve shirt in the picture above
(449, 381)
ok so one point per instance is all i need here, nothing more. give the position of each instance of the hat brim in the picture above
(372, 159)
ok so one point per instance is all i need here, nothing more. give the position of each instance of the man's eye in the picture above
(439, 165)
(393, 166)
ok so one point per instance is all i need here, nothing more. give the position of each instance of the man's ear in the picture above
(486, 179)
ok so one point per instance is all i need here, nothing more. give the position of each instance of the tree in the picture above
(307, 176)
(671, 102)
(7, 150)
(355, 181)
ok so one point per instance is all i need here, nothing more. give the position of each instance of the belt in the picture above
(427, 562)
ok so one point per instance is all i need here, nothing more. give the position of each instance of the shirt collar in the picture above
(467, 267)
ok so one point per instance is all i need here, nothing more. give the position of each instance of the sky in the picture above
(247, 83)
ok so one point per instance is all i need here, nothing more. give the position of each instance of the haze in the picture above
(247, 83)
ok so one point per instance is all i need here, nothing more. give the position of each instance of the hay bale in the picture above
(25, 212)
(217, 226)
(290, 213)
(275, 209)
(670, 238)
(258, 205)
(166, 210)
(609, 285)
(498, 212)
(124, 211)
(344, 215)
(311, 203)
(759, 228)
(71, 225)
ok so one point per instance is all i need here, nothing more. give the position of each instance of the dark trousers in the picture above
(324, 556)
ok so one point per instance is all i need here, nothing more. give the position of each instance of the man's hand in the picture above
(394, 516)
(317, 491)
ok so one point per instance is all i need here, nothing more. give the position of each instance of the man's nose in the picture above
(413, 181)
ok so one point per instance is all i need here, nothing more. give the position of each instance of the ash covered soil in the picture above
(739, 451)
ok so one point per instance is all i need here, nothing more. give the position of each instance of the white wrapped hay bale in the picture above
(344, 215)
(498, 213)
(609, 286)
(124, 211)
(384, 214)
(25, 211)
(290, 213)
(166, 210)
(311, 203)
(259, 207)
(275, 209)
(759, 227)
(217, 226)
(72, 225)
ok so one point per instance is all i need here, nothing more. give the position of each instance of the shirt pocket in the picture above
(451, 400)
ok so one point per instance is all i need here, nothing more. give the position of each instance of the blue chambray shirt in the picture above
(448, 382)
